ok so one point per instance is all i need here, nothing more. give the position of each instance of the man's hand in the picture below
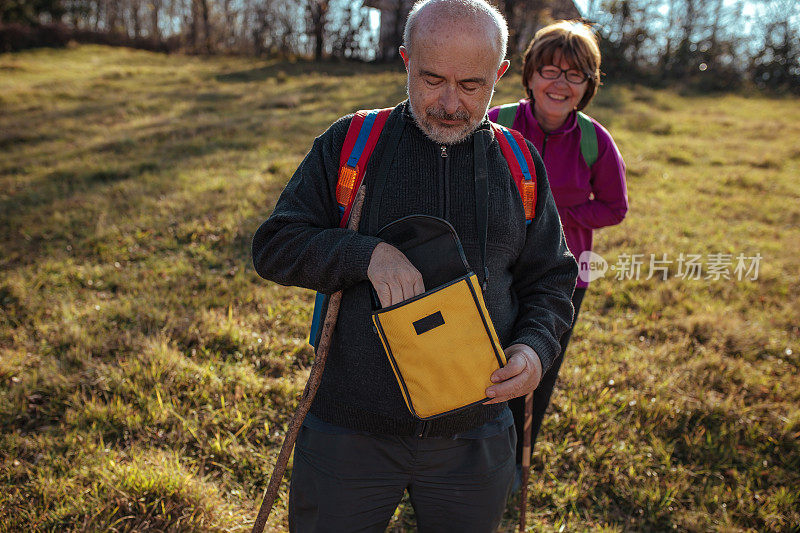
(520, 376)
(393, 276)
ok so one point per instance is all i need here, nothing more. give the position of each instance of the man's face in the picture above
(451, 77)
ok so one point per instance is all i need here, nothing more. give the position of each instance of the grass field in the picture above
(147, 373)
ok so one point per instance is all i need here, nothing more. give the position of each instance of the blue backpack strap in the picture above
(362, 136)
(520, 162)
(316, 319)
(589, 149)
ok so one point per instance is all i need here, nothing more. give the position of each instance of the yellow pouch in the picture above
(442, 345)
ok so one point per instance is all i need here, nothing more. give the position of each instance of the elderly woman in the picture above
(561, 74)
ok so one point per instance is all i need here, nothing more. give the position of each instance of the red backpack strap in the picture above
(362, 136)
(520, 162)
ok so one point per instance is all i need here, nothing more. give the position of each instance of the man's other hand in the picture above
(393, 276)
(520, 376)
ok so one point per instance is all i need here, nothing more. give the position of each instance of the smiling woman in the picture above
(556, 90)
(561, 74)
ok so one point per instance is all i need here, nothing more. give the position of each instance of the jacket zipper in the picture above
(443, 168)
(423, 428)
(544, 145)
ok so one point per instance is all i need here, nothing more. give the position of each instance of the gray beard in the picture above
(442, 135)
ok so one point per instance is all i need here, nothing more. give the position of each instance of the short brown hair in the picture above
(578, 46)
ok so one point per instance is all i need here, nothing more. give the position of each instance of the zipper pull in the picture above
(544, 145)
(444, 150)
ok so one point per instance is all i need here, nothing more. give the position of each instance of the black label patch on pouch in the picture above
(429, 322)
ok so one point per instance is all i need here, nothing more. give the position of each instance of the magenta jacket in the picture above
(586, 198)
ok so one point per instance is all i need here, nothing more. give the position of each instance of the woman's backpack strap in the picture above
(588, 139)
(507, 114)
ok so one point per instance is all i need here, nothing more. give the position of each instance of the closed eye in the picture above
(432, 81)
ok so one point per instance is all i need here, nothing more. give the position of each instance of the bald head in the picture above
(462, 17)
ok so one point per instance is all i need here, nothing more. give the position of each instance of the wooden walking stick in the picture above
(526, 459)
(314, 378)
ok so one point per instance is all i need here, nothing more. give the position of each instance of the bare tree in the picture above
(713, 43)
(317, 15)
(776, 66)
(135, 14)
(112, 16)
(205, 14)
(155, 11)
(229, 28)
(348, 31)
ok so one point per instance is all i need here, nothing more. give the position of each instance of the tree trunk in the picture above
(206, 26)
(136, 18)
(155, 30)
(511, 10)
(229, 29)
(111, 16)
(193, 29)
(317, 14)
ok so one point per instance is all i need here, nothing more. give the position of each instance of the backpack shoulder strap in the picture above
(520, 162)
(360, 141)
(588, 139)
(507, 114)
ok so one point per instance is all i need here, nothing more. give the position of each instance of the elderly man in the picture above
(360, 448)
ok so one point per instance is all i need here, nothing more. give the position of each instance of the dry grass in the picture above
(147, 373)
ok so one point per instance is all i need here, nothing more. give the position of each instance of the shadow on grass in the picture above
(139, 152)
(283, 71)
(720, 439)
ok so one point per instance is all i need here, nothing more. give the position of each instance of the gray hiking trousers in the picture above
(353, 482)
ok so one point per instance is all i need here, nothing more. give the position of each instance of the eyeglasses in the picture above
(552, 72)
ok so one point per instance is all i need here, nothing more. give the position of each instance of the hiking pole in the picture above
(526, 459)
(314, 378)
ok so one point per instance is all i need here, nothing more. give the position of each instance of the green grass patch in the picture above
(147, 374)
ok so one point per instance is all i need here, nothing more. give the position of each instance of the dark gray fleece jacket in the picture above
(531, 272)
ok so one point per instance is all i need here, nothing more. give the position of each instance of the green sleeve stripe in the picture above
(506, 115)
(588, 139)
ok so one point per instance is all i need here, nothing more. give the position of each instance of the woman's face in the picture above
(555, 99)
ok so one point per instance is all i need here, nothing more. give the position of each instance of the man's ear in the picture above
(503, 68)
(404, 55)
